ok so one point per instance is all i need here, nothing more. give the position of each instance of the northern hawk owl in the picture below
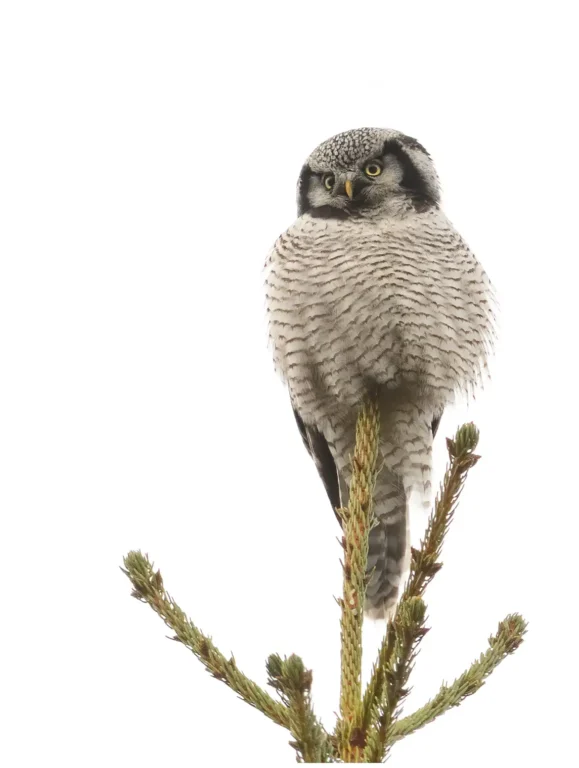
(373, 292)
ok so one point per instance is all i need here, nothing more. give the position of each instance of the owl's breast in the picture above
(389, 303)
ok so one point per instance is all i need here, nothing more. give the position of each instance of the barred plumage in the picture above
(372, 290)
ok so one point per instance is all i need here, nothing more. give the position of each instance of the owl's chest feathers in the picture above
(390, 301)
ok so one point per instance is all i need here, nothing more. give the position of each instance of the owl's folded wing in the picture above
(319, 450)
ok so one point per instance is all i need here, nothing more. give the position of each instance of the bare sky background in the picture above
(148, 161)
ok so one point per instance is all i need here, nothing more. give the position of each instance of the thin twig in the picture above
(506, 641)
(388, 683)
(293, 682)
(148, 588)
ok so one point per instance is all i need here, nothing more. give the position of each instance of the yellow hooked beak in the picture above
(349, 188)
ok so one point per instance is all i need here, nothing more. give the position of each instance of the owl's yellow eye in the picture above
(373, 169)
(329, 180)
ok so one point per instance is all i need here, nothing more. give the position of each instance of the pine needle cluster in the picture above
(369, 721)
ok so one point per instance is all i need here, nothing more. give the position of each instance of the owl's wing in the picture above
(436, 424)
(318, 449)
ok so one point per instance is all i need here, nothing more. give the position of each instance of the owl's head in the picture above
(366, 169)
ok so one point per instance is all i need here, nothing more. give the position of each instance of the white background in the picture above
(149, 155)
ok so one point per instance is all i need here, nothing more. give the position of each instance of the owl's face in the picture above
(365, 170)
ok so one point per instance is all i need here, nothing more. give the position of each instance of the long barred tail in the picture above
(406, 453)
(388, 546)
(405, 459)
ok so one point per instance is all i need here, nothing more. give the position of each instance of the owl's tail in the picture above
(406, 452)
(388, 547)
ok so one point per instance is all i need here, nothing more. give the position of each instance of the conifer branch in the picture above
(506, 641)
(356, 523)
(408, 631)
(368, 726)
(293, 682)
(148, 588)
(425, 562)
(387, 687)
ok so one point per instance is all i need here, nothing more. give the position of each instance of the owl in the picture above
(372, 292)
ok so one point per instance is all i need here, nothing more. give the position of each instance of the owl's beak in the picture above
(349, 189)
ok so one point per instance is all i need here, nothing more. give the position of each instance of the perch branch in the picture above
(356, 522)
